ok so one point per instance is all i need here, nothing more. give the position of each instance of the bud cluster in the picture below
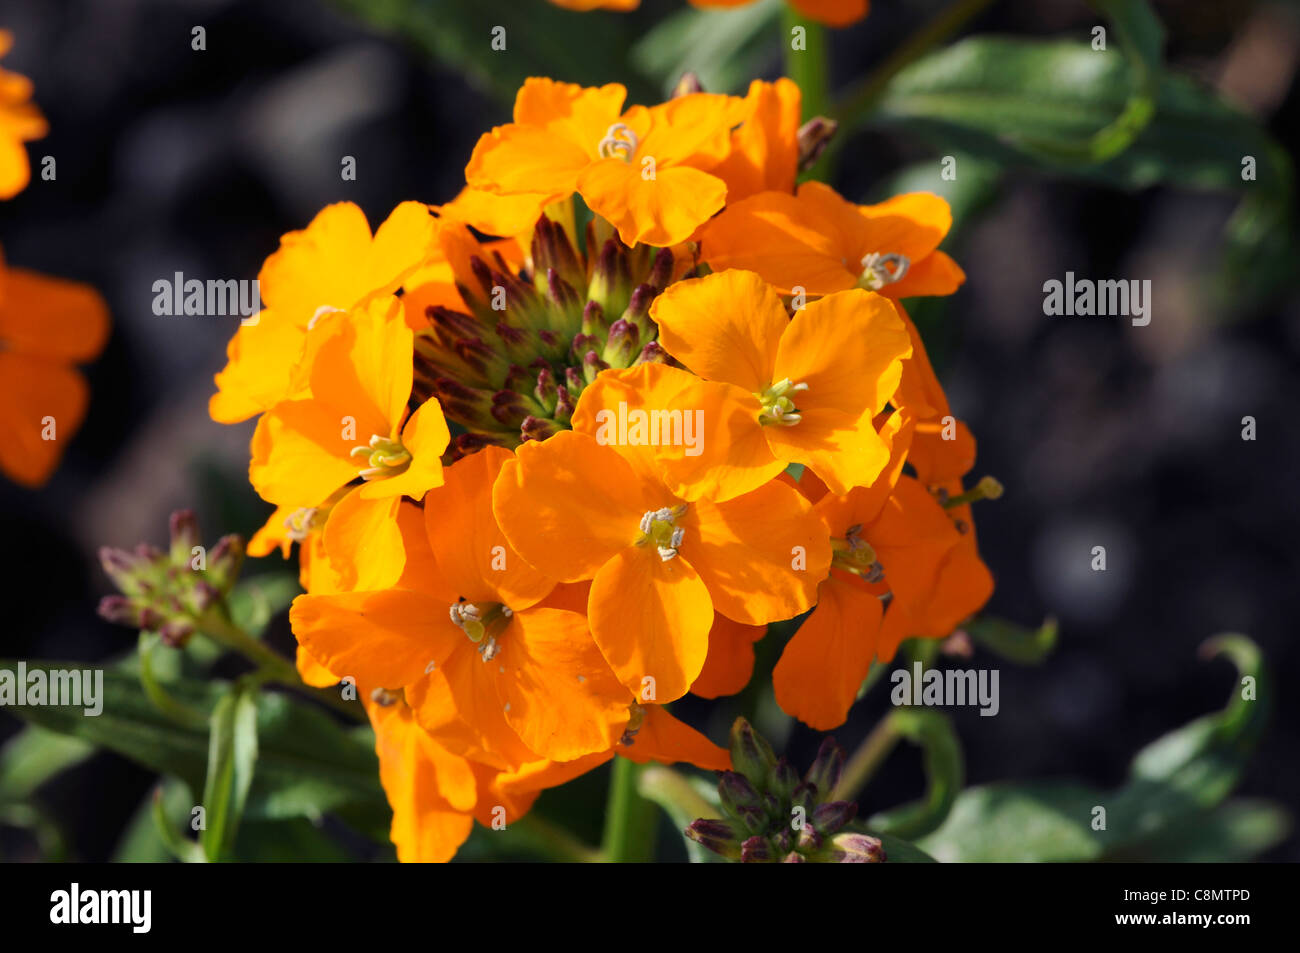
(773, 815)
(168, 592)
(511, 369)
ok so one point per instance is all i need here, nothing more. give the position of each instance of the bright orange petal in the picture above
(761, 555)
(730, 663)
(49, 317)
(363, 542)
(726, 327)
(42, 404)
(651, 204)
(667, 740)
(651, 618)
(824, 664)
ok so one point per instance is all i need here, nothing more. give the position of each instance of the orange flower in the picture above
(837, 13)
(731, 658)
(817, 241)
(20, 121)
(646, 171)
(46, 326)
(597, 4)
(332, 265)
(489, 670)
(659, 564)
(765, 146)
(788, 391)
(354, 424)
(899, 543)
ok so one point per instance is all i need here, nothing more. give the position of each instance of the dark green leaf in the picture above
(944, 771)
(232, 759)
(1013, 642)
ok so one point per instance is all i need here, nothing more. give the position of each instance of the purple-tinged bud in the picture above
(794, 857)
(591, 366)
(621, 346)
(573, 382)
(851, 848)
(546, 391)
(564, 404)
(755, 819)
(553, 252)
(824, 773)
(756, 850)
(805, 795)
(175, 632)
(184, 528)
(120, 611)
(462, 445)
(611, 280)
(537, 428)
(566, 305)
(783, 780)
(661, 272)
(808, 841)
(225, 561)
(721, 837)
(594, 323)
(813, 137)
(751, 755)
(737, 793)
(653, 353)
(120, 566)
(830, 817)
(688, 84)
(205, 595)
(509, 408)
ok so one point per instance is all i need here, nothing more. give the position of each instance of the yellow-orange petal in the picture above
(363, 366)
(648, 203)
(730, 662)
(48, 317)
(765, 149)
(823, 665)
(260, 358)
(383, 639)
(300, 455)
(724, 327)
(651, 618)
(42, 404)
(668, 740)
(473, 556)
(560, 695)
(567, 504)
(761, 555)
(363, 542)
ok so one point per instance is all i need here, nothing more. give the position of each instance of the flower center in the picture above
(879, 270)
(299, 524)
(660, 527)
(854, 554)
(385, 457)
(778, 406)
(483, 623)
(620, 142)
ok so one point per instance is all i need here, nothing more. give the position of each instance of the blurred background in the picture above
(171, 159)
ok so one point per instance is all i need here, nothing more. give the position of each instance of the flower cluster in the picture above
(47, 325)
(557, 452)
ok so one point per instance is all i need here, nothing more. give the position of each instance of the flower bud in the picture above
(751, 755)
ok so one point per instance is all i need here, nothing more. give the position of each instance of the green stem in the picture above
(854, 106)
(862, 765)
(270, 665)
(554, 842)
(629, 819)
(809, 68)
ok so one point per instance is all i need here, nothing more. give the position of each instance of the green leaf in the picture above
(308, 763)
(142, 840)
(1002, 98)
(724, 48)
(540, 40)
(1015, 823)
(900, 851)
(1013, 642)
(1236, 831)
(296, 840)
(254, 602)
(34, 756)
(177, 711)
(1175, 784)
(183, 849)
(944, 770)
(232, 759)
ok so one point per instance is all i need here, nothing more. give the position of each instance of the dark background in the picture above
(1103, 433)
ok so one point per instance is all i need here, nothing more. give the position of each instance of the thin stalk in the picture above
(554, 842)
(810, 70)
(629, 819)
(862, 765)
(271, 666)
